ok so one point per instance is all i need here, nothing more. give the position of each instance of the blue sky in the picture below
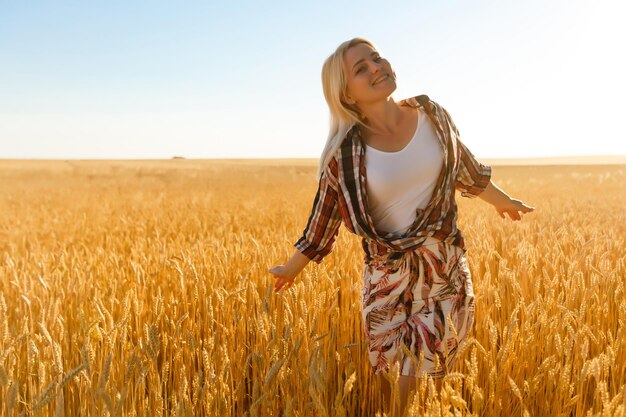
(128, 80)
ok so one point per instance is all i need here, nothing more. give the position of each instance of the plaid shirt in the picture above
(342, 197)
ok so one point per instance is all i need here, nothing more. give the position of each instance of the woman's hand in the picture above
(283, 277)
(513, 208)
(503, 203)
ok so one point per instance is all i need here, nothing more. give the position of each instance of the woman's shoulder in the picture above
(417, 101)
(424, 102)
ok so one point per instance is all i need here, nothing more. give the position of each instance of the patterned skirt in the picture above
(415, 315)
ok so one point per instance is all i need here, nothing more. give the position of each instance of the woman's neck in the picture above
(383, 118)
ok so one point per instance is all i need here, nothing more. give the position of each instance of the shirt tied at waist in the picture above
(390, 261)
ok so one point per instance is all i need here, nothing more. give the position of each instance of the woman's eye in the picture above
(377, 58)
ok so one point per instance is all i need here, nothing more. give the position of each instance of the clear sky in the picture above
(242, 79)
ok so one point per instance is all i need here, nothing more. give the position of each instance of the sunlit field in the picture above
(140, 288)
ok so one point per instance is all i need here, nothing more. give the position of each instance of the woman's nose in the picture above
(377, 67)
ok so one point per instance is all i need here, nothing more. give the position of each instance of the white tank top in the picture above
(400, 182)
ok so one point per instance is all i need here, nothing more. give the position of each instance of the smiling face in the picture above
(369, 76)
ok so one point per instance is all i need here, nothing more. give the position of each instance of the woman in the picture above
(389, 172)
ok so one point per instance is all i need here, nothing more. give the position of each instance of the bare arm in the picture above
(495, 196)
(296, 263)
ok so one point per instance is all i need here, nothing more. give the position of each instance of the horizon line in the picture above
(538, 160)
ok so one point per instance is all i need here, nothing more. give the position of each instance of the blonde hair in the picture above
(342, 115)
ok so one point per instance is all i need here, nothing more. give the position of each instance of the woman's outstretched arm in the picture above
(320, 232)
(474, 180)
(495, 196)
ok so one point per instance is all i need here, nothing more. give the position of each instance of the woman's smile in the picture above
(381, 79)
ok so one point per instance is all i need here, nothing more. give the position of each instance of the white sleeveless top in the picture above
(400, 182)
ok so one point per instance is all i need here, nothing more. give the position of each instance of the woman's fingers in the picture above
(278, 284)
(515, 213)
(524, 208)
(278, 279)
(282, 283)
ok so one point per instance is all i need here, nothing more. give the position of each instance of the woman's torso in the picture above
(401, 176)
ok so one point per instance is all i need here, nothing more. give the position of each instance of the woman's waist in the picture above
(407, 244)
(379, 254)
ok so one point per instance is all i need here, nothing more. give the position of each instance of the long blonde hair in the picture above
(342, 115)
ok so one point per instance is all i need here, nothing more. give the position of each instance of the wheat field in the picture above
(140, 288)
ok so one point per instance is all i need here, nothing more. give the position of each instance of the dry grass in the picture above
(141, 288)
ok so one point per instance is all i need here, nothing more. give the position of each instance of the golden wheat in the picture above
(140, 288)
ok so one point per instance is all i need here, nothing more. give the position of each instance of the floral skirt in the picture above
(416, 314)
